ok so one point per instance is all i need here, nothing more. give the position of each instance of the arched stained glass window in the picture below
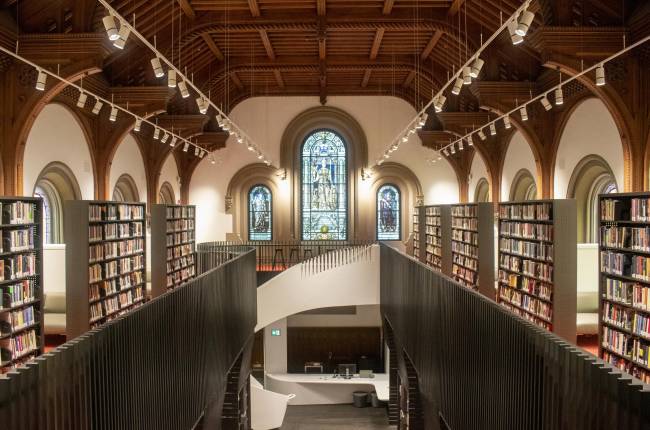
(260, 213)
(324, 187)
(388, 213)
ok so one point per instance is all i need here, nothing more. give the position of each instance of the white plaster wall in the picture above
(128, 159)
(365, 316)
(57, 136)
(266, 118)
(519, 156)
(477, 171)
(589, 130)
(169, 173)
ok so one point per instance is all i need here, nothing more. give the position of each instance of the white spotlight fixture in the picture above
(422, 120)
(182, 86)
(225, 126)
(250, 147)
(405, 138)
(481, 134)
(512, 29)
(157, 67)
(467, 78)
(267, 162)
(439, 103)
(525, 20)
(156, 133)
(201, 154)
(506, 122)
(380, 162)
(547, 105)
(186, 146)
(412, 131)
(171, 78)
(138, 124)
(97, 107)
(240, 139)
(81, 102)
(477, 65)
(123, 35)
(219, 119)
(202, 104)
(524, 113)
(452, 149)
(196, 151)
(111, 27)
(260, 157)
(386, 155)
(559, 96)
(470, 141)
(460, 145)
(394, 147)
(212, 160)
(600, 75)
(457, 86)
(113, 116)
(493, 129)
(173, 142)
(40, 80)
(446, 152)
(164, 137)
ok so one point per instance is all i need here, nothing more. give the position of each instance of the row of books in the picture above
(106, 250)
(17, 294)
(530, 211)
(111, 286)
(113, 212)
(532, 305)
(627, 319)
(627, 346)
(101, 271)
(640, 209)
(115, 304)
(435, 250)
(17, 240)
(433, 240)
(531, 286)
(541, 271)
(431, 230)
(636, 238)
(17, 320)
(616, 263)
(179, 251)
(629, 293)
(180, 276)
(180, 263)
(461, 273)
(17, 266)
(467, 262)
(465, 249)
(180, 212)
(526, 315)
(470, 237)
(180, 238)
(542, 251)
(115, 231)
(432, 220)
(19, 346)
(180, 225)
(627, 366)
(434, 260)
(527, 230)
(18, 213)
(465, 223)
(432, 210)
(464, 211)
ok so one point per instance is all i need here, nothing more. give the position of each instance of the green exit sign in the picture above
(275, 332)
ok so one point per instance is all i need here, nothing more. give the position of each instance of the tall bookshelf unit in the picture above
(472, 246)
(537, 263)
(173, 246)
(624, 286)
(417, 232)
(437, 237)
(21, 282)
(105, 261)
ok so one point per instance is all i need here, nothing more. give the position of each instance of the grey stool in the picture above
(280, 253)
(294, 252)
(307, 251)
(360, 399)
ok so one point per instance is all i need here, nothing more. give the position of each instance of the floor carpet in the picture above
(339, 417)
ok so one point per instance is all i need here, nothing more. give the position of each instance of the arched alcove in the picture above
(482, 191)
(166, 194)
(523, 187)
(128, 160)
(518, 156)
(125, 190)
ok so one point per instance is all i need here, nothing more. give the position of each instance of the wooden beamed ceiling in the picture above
(241, 48)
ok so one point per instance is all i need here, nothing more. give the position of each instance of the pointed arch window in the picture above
(388, 213)
(324, 184)
(260, 213)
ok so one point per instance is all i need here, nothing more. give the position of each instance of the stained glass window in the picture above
(388, 213)
(324, 187)
(260, 213)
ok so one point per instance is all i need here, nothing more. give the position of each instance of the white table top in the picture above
(379, 382)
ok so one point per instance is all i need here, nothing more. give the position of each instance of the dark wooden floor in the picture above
(338, 417)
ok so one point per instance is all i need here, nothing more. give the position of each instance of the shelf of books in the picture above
(173, 258)
(21, 281)
(472, 246)
(624, 290)
(437, 236)
(110, 238)
(537, 263)
(417, 232)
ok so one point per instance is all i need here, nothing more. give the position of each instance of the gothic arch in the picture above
(166, 194)
(125, 190)
(523, 186)
(482, 191)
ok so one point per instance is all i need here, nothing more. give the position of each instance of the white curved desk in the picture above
(324, 389)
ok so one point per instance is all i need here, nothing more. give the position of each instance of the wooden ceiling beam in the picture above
(187, 8)
(212, 46)
(267, 44)
(321, 7)
(409, 79)
(455, 7)
(254, 7)
(376, 44)
(366, 78)
(235, 80)
(278, 78)
(432, 44)
(388, 6)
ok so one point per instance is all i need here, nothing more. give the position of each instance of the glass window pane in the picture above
(388, 213)
(324, 187)
(260, 212)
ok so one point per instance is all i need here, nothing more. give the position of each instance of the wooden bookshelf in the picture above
(21, 285)
(537, 263)
(105, 262)
(418, 233)
(472, 246)
(173, 246)
(624, 282)
(437, 237)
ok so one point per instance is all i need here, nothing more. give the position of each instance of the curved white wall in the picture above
(169, 173)
(266, 118)
(57, 136)
(477, 171)
(589, 130)
(519, 156)
(128, 159)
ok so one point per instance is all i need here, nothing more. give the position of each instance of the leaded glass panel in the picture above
(388, 213)
(260, 213)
